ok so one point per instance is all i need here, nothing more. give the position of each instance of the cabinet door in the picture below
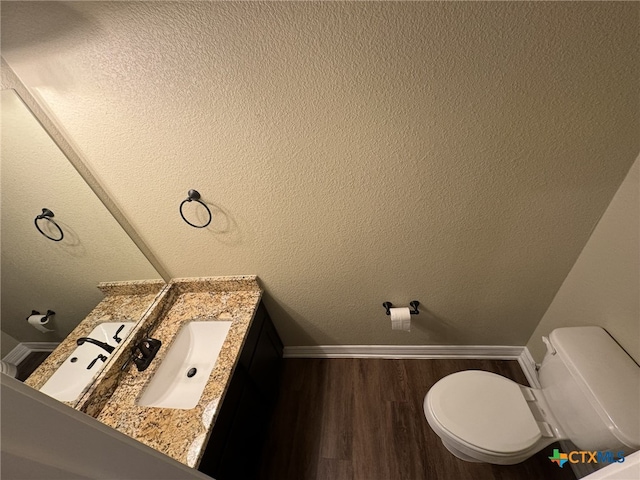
(235, 445)
(252, 338)
(224, 423)
(267, 363)
(241, 455)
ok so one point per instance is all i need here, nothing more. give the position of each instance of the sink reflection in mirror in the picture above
(111, 332)
(182, 376)
(85, 362)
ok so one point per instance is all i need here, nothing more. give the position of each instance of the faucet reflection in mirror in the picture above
(100, 344)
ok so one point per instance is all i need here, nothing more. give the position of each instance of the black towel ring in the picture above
(48, 215)
(194, 196)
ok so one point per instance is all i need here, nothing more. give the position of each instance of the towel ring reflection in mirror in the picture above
(48, 216)
(194, 196)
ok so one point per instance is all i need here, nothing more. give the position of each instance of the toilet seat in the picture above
(484, 411)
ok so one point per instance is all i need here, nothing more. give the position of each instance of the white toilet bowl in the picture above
(484, 417)
(590, 395)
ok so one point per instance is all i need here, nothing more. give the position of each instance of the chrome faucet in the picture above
(106, 346)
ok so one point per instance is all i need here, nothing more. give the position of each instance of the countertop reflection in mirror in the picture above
(38, 274)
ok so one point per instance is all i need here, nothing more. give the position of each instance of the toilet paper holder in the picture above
(45, 318)
(414, 304)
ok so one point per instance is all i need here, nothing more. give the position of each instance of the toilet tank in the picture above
(592, 387)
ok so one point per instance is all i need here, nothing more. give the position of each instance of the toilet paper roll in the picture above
(39, 322)
(401, 319)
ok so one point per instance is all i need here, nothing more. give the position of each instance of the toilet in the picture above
(590, 395)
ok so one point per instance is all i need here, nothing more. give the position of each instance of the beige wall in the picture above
(8, 343)
(457, 153)
(603, 287)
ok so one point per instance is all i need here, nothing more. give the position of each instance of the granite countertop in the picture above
(183, 434)
(124, 301)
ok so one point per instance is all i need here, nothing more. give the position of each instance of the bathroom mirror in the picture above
(41, 274)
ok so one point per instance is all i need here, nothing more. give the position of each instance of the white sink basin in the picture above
(72, 377)
(186, 367)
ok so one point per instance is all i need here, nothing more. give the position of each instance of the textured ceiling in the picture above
(455, 153)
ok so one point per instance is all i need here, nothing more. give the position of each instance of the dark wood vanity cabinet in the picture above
(234, 447)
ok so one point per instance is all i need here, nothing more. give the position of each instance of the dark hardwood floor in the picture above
(362, 419)
(29, 364)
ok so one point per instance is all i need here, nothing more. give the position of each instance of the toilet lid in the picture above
(485, 410)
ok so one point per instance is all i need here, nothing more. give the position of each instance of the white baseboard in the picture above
(22, 351)
(496, 352)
